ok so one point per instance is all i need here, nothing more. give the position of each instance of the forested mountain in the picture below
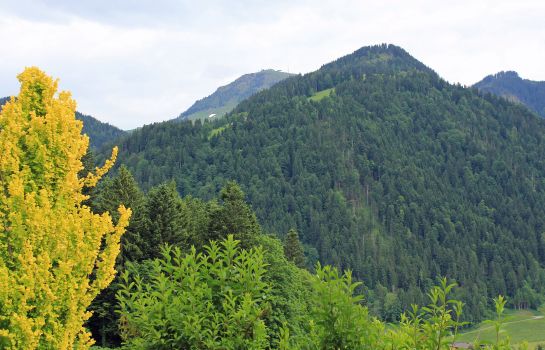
(226, 98)
(99, 133)
(514, 88)
(382, 167)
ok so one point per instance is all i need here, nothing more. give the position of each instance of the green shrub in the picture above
(215, 300)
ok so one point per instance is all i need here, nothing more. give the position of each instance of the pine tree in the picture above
(293, 249)
(123, 189)
(234, 216)
(56, 255)
(163, 219)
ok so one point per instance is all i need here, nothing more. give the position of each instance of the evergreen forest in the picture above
(392, 173)
(512, 87)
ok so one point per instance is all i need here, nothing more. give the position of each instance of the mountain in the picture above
(509, 85)
(227, 97)
(382, 167)
(99, 133)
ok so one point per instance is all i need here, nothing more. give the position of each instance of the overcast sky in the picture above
(133, 62)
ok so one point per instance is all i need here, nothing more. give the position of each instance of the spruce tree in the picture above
(233, 216)
(122, 189)
(293, 249)
(163, 219)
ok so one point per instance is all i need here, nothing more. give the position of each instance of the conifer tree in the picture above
(293, 249)
(163, 216)
(123, 189)
(56, 255)
(234, 216)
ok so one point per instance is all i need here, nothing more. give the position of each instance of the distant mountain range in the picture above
(511, 86)
(99, 133)
(227, 97)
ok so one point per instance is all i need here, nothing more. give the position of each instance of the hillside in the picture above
(227, 97)
(99, 133)
(514, 88)
(384, 168)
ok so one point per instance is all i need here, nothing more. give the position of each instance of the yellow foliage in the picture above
(55, 254)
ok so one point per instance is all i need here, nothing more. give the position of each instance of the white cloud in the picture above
(130, 63)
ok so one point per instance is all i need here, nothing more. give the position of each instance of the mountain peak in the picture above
(378, 59)
(507, 74)
(227, 97)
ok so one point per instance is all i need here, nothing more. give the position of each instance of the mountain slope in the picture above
(226, 98)
(384, 168)
(99, 133)
(514, 88)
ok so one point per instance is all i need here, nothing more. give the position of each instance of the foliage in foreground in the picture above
(215, 300)
(222, 299)
(55, 254)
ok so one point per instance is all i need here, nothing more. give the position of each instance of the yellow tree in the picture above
(55, 254)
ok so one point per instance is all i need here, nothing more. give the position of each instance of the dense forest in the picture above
(99, 133)
(383, 168)
(227, 97)
(514, 88)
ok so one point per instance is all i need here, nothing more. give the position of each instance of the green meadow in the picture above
(520, 325)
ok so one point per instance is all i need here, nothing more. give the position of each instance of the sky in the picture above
(135, 62)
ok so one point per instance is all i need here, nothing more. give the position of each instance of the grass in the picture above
(320, 95)
(218, 111)
(520, 325)
(217, 131)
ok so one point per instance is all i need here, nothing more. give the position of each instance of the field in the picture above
(321, 94)
(219, 112)
(217, 131)
(520, 325)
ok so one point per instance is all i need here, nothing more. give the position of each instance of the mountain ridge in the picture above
(226, 97)
(510, 85)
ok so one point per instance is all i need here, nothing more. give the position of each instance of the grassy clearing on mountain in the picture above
(321, 95)
(217, 131)
(218, 111)
(520, 325)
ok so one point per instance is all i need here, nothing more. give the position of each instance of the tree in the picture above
(56, 255)
(122, 189)
(163, 216)
(293, 249)
(234, 216)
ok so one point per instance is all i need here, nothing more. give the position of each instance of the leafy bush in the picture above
(215, 300)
